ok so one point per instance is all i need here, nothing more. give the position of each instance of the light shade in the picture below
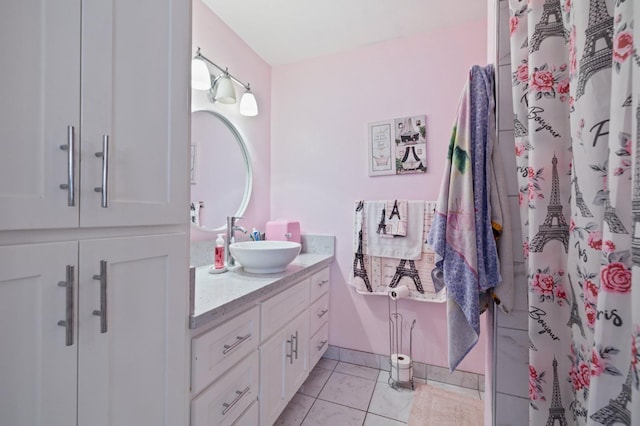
(200, 77)
(248, 104)
(224, 91)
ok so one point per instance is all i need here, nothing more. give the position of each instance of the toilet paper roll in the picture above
(399, 292)
(401, 367)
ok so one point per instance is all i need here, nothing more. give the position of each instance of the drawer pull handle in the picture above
(104, 189)
(102, 313)
(239, 395)
(70, 148)
(296, 339)
(324, 342)
(323, 282)
(67, 323)
(322, 313)
(239, 340)
(290, 342)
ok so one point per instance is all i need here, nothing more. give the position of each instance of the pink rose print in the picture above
(591, 314)
(572, 225)
(595, 240)
(533, 375)
(615, 278)
(520, 198)
(590, 292)
(584, 373)
(560, 292)
(622, 46)
(513, 24)
(567, 6)
(520, 149)
(563, 87)
(542, 81)
(543, 283)
(525, 249)
(609, 246)
(597, 364)
(576, 378)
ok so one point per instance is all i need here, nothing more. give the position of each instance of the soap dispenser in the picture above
(218, 254)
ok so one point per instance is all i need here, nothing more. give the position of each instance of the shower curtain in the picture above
(576, 80)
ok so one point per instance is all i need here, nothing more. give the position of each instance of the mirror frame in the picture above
(247, 162)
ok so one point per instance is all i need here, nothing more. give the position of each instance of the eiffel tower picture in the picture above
(611, 218)
(616, 412)
(358, 265)
(635, 202)
(599, 28)
(550, 25)
(556, 411)
(574, 318)
(584, 209)
(411, 272)
(548, 230)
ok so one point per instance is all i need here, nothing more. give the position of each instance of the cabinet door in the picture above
(40, 87)
(133, 362)
(37, 363)
(283, 367)
(298, 371)
(273, 361)
(135, 91)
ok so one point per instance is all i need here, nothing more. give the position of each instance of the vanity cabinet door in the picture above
(38, 365)
(133, 368)
(135, 93)
(283, 367)
(40, 87)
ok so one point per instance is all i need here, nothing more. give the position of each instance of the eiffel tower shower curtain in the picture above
(576, 80)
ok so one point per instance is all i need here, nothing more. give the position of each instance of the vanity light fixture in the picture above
(221, 88)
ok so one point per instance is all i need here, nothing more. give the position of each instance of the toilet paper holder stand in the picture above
(399, 377)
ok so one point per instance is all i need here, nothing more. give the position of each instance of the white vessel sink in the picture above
(264, 257)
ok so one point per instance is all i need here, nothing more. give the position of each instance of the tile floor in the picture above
(338, 393)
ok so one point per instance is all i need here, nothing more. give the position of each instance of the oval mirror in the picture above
(220, 171)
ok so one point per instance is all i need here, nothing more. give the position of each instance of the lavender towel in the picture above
(461, 234)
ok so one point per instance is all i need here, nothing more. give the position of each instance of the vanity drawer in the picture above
(219, 349)
(225, 400)
(319, 283)
(283, 307)
(249, 417)
(318, 313)
(318, 345)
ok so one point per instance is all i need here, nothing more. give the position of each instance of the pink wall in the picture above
(320, 111)
(225, 48)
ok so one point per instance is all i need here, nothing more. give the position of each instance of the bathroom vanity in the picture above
(255, 338)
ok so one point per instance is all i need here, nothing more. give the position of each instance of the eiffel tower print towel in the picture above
(376, 275)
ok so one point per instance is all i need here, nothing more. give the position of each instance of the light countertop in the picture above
(219, 295)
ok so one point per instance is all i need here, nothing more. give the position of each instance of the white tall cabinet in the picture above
(94, 248)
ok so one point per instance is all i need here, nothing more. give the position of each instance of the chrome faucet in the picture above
(231, 238)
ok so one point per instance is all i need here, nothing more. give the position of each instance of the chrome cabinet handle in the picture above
(323, 282)
(67, 323)
(322, 313)
(239, 340)
(290, 355)
(71, 167)
(296, 339)
(324, 342)
(228, 406)
(104, 189)
(102, 313)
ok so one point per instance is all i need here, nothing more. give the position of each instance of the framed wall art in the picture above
(398, 146)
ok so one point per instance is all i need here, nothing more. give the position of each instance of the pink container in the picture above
(282, 230)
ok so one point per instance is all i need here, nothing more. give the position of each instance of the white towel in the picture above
(396, 220)
(408, 247)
